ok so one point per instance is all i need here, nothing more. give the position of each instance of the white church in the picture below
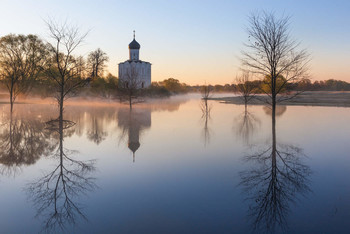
(135, 72)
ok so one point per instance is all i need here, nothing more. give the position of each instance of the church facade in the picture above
(134, 73)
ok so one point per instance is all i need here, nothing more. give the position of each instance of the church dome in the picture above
(133, 146)
(134, 45)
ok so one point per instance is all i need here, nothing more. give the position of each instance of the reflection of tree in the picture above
(93, 121)
(22, 142)
(275, 182)
(96, 133)
(247, 123)
(54, 193)
(133, 122)
(206, 109)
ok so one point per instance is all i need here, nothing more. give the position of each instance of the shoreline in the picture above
(308, 98)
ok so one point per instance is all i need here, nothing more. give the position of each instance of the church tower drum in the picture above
(134, 49)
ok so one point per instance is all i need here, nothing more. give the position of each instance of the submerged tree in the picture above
(206, 92)
(130, 86)
(64, 68)
(270, 51)
(245, 87)
(22, 58)
(97, 62)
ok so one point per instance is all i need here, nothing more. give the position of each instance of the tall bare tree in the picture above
(270, 51)
(21, 60)
(97, 62)
(64, 67)
(206, 92)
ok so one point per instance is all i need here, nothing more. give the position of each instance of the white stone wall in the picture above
(142, 69)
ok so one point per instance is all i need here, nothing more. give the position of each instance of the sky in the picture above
(193, 41)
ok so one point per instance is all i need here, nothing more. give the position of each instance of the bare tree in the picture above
(270, 51)
(129, 86)
(245, 87)
(63, 68)
(21, 60)
(206, 92)
(96, 62)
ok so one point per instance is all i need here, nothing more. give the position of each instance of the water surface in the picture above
(172, 167)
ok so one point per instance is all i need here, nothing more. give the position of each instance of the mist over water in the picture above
(172, 166)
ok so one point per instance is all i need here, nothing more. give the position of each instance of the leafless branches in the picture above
(129, 86)
(245, 87)
(270, 51)
(64, 68)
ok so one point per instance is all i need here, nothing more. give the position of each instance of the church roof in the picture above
(134, 45)
(134, 61)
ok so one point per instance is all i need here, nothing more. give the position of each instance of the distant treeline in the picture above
(107, 87)
(304, 85)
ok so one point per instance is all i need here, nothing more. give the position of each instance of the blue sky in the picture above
(193, 41)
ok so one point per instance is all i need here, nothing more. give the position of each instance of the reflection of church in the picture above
(133, 122)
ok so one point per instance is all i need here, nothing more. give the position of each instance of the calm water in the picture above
(169, 167)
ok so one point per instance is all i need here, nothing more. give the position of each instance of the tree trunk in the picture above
(274, 151)
(11, 103)
(130, 101)
(61, 101)
(61, 110)
(11, 98)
